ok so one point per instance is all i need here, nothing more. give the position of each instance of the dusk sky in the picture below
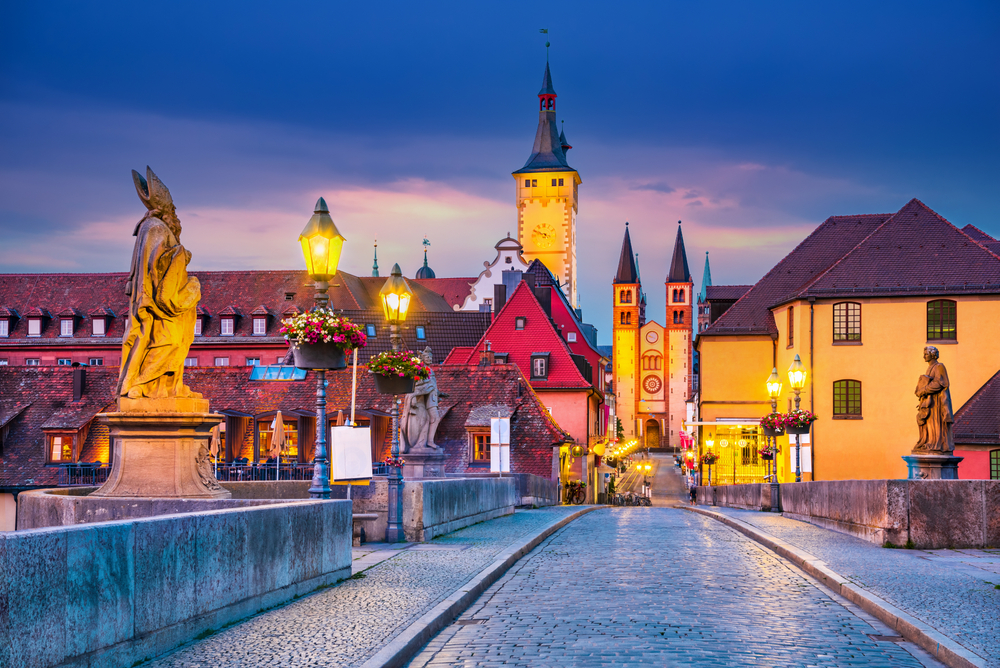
(751, 122)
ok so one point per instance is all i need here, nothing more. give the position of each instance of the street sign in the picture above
(351, 452)
(500, 445)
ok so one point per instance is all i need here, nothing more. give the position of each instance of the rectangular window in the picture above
(60, 449)
(190, 361)
(3, 361)
(791, 326)
(227, 326)
(539, 367)
(519, 323)
(571, 337)
(480, 447)
(561, 182)
(942, 320)
(994, 464)
(259, 326)
(64, 361)
(421, 332)
(34, 326)
(197, 326)
(32, 361)
(847, 321)
(66, 327)
(370, 330)
(4, 327)
(289, 451)
(253, 361)
(221, 361)
(847, 398)
(96, 361)
(527, 183)
(98, 327)
(500, 358)
(554, 181)
(534, 183)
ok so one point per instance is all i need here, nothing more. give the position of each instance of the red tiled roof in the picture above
(725, 292)
(230, 310)
(69, 312)
(7, 313)
(978, 421)
(37, 312)
(977, 233)
(260, 310)
(101, 312)
(538, 336)
(459, 355)
(453, 290)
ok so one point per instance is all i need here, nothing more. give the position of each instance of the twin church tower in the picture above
(652, 363)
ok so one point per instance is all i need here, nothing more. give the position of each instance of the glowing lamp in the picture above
(321, 244)
(797, 374)
(395, 295)
(774, 384)
(577, 450)
(709, 442)
(599, 449)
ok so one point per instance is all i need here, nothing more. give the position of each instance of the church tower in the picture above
(547, 197)
(680, 332)
(626, 296)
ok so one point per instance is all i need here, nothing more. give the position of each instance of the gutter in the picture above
(812, 390)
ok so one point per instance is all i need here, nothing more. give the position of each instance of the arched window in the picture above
(942, 322)
(847, 321)
(675, 317)
(625, 297)
(673, 296)
(681, 293)
(628, 318)
(847, 398)
(680, 317)
(622, 318)
(651, 362)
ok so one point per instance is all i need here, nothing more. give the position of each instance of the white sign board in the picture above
(499, 458)
(351, 452)
(806, 459)
(499, 431)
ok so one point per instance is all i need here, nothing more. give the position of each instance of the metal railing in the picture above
(262, 472)
(380, 469)
(83, 474)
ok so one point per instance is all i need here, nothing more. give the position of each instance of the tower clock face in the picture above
(651, 337)
(652, 384)
(544, 235)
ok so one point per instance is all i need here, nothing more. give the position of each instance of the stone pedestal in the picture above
(932, 467)
(423, 463)
(160, 449)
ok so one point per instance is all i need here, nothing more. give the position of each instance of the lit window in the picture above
(571, 337)
(64, 361)
(190, 361)
(847, 321)
(480, 447)
(519, 323)
(221, 361)
(561, 182)
(96, 361)
(60, 449)
(34, 326)
(4, 327)
(253, 361)
(227, 326)
(259, 326)
(941, 320)
(534, 183)
(847, 398)
(290, 450)
(197, 326)
(98, 327)
(66, 327)
(32, 361)
(3, 362)
(420, 332)
(370, 330)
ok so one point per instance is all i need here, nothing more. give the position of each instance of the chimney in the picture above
(487, 358)
(79, 381)
(499, 297)
(544, 297)
(529, 279)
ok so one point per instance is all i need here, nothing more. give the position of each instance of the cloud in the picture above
(657, 187)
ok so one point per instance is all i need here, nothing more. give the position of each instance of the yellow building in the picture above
(857, 300)
(547, 202)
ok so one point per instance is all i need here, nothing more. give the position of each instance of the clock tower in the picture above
(547, 197)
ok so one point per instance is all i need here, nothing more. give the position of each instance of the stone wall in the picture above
(435, 507)
(928, 514)
(115, 593)
(532, 490)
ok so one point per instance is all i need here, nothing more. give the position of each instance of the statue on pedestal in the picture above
(162, 301)
(421, 414)
(934, 415)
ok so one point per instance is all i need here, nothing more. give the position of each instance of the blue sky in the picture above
(751, 122)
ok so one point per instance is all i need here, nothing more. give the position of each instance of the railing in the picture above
(380, 469)
(262, 472)
(83, 474)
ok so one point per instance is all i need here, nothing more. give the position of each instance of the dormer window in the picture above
(227, 320)
(539, 366)
(421, 332)
(97, 327)
(228, 326)
(66, 327)
(370, 331)
(260, 325)
(4, 327)
(198, 325)
(519, 322)
(34, 326)
(571, 337)
(501, 358)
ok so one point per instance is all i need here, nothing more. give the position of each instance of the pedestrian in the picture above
(694, 494)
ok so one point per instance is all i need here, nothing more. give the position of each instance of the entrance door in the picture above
(652, 434)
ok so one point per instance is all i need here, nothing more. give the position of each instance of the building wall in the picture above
(570, 410)
(976, 462)
(8, 512)
(546, 207)
(680, 341)
(626, 349)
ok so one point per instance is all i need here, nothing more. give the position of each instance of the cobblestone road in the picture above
(660, 587)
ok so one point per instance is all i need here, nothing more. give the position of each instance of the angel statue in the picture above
(162, 301)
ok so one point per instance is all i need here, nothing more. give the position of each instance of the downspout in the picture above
(812, 388)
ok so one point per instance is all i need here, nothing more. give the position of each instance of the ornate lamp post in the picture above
(774, 391)
(321, 245)
(797, 379)
(396, 296)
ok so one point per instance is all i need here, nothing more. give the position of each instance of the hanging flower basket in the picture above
(385, 384)
(709, 458)
(321, 339)
(768, 452)
(395, 373)
(396, 462)
(798, 422)
(772, 424)
(766, 456)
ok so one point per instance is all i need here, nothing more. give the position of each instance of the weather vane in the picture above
(547, 44)
(426, 242)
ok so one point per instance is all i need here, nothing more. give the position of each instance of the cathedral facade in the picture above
(652, 363)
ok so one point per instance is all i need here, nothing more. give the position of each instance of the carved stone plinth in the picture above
(932, 467)
(423, 463)
(161, 454)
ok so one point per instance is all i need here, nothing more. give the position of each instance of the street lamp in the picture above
(321, 245)
(395, 295)
(774, 388)
(774, 391)
(797, 379)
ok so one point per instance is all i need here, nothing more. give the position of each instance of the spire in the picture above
(679, 272)
(562, 137)
(425, 271)
(547, 153)
(627, 270)
(375, 265)
(706, 280)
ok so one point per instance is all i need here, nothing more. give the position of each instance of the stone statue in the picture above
(934, 416)
(162, 301)
(421, 414)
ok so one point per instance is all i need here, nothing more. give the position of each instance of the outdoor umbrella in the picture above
(277, 441)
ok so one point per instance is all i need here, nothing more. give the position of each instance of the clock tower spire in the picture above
(546, 189)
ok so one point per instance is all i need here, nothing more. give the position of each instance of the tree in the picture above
(619, 429)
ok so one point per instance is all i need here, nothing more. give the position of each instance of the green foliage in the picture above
(910, 544)
(619, 429)
(890, 546)
(358, 576)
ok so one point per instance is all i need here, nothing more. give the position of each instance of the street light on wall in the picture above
(321, 245)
